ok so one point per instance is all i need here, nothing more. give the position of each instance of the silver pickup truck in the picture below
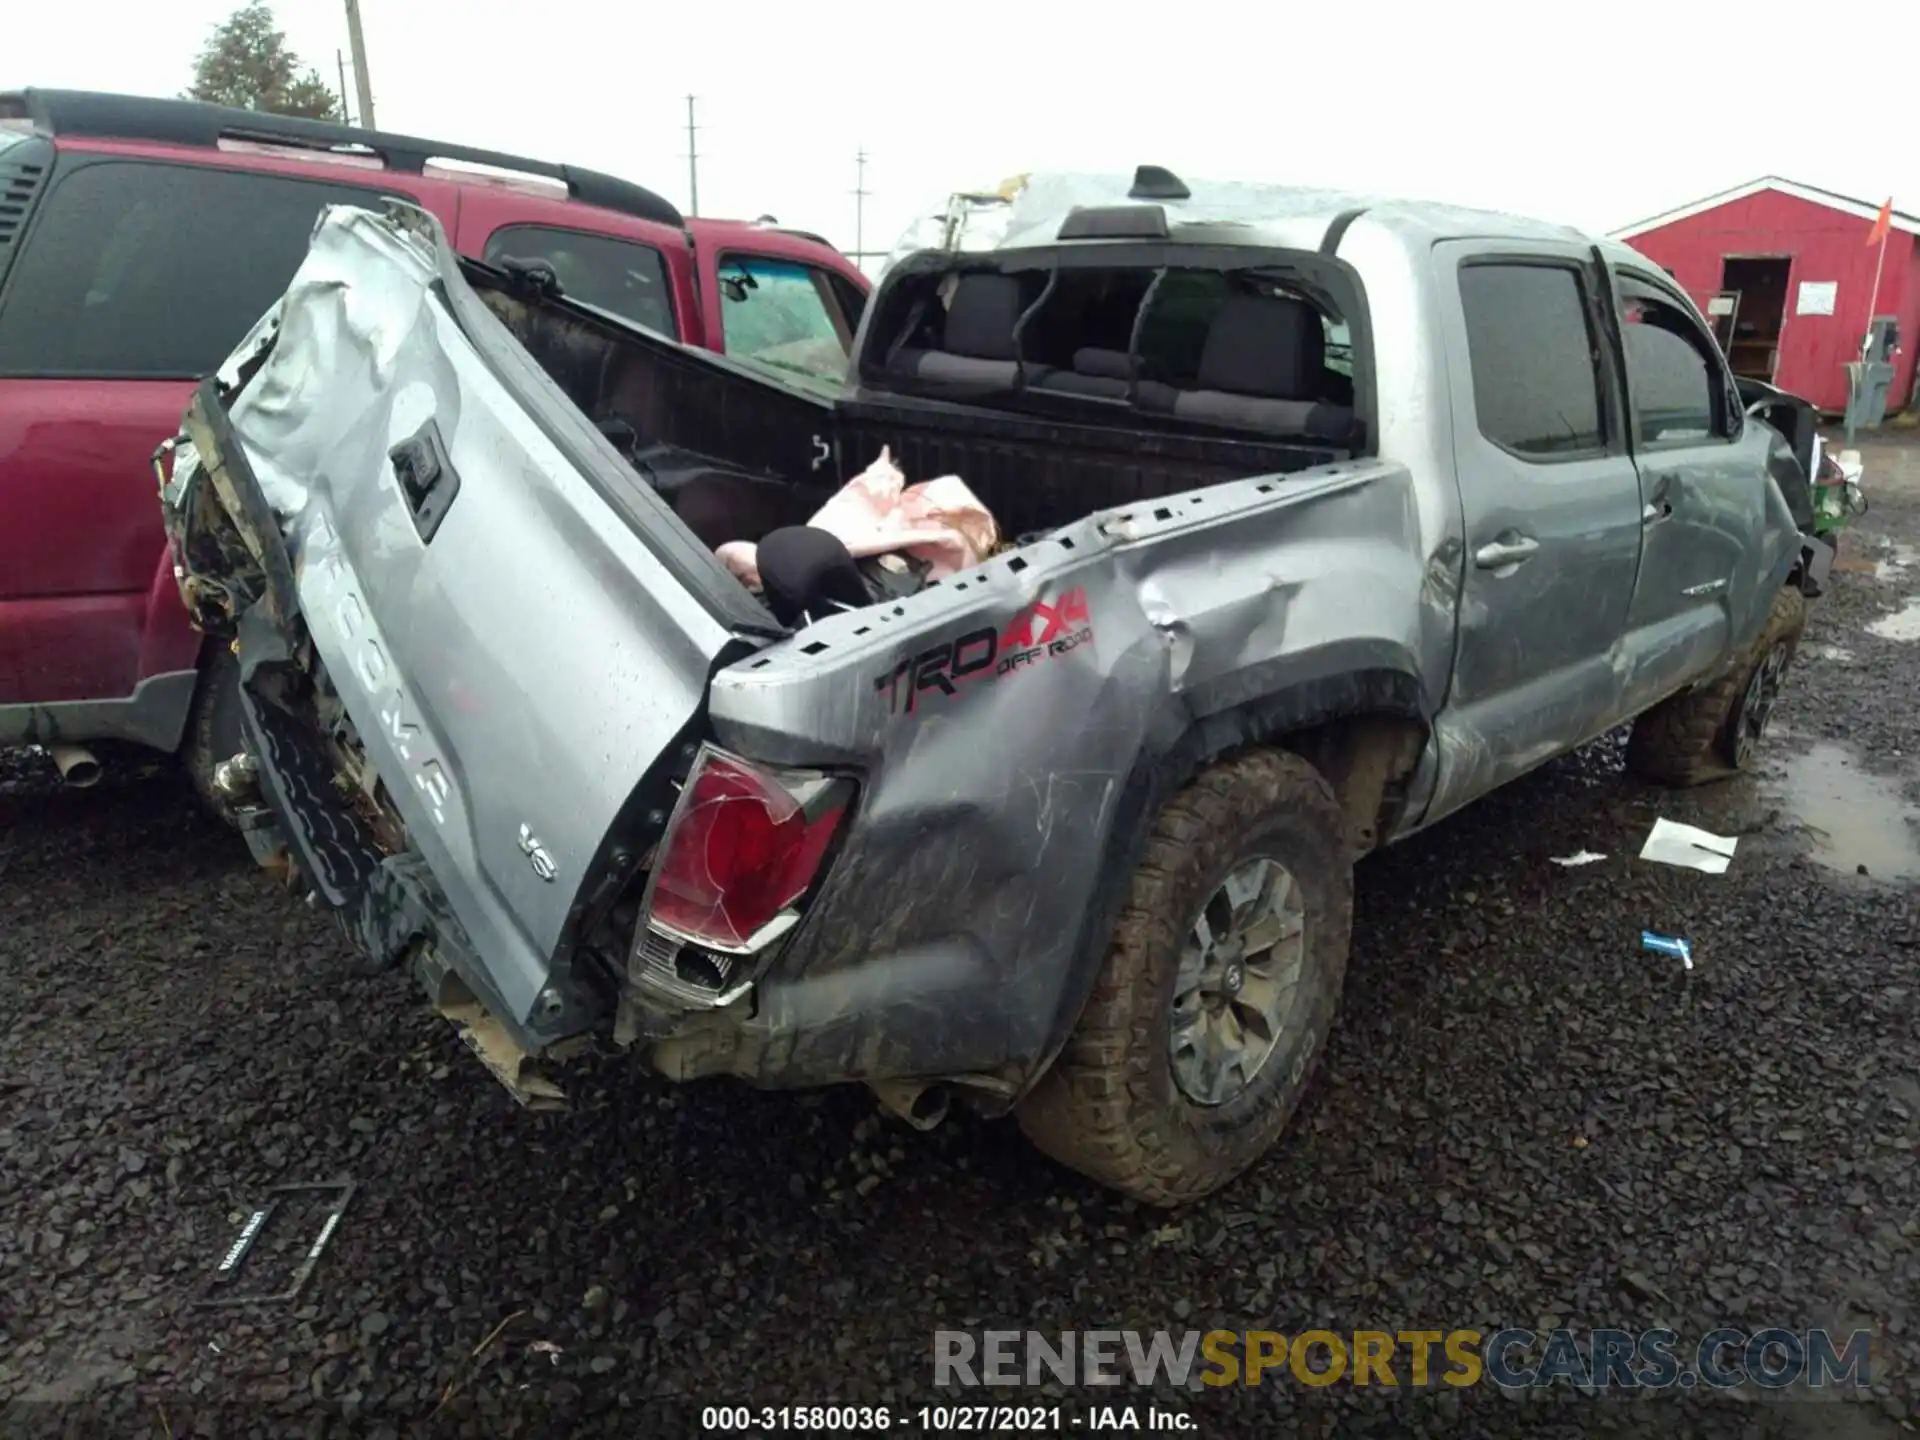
(1322, 520)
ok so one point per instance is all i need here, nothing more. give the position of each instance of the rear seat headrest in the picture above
(981, 316)
(1265, 345)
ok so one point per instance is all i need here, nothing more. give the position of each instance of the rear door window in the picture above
(627, 278)
(1536, 383)
(786, 315)
(154, 271)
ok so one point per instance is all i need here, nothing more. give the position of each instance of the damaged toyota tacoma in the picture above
(1314, 521)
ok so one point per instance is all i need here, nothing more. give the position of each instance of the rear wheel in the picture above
(1715, 730)
(1218, 988)
(213, 729)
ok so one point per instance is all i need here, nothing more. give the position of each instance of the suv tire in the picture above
(213, 729)
(1712, 732)
(1114, 1105)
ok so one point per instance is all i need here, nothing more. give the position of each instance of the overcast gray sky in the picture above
(1594, 117)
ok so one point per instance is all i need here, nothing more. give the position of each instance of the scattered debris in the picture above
(460, 1370)
(1579, 857)
(1671, 843)
(1641, 1287)
(547, 1348)
(1667, 945)
(230, 1263)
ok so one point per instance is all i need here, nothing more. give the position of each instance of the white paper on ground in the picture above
(1579, 857)
(1674, 844)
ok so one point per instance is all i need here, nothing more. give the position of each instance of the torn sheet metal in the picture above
(1670, 843)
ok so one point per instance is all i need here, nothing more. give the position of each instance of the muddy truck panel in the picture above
(1007, 727)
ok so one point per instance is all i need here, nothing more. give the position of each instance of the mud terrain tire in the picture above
(213, 729)
(1110, 1106)
(1694, 737)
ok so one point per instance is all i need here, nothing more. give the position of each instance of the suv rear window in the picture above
(786, 315)
(154, 271)
(623, 277)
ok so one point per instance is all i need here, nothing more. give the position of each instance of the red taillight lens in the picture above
(739, 850)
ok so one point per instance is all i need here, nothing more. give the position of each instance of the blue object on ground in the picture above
(1667, 945)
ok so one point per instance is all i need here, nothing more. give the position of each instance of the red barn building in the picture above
(1800, 262)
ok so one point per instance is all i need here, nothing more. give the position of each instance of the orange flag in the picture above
(1883, 224)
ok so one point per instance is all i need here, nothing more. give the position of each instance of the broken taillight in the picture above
(744, 843)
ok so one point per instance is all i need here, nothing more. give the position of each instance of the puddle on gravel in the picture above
(1901, 624)
(1899, 559)
(1856, 818)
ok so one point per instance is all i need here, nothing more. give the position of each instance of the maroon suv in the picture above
(139, 241)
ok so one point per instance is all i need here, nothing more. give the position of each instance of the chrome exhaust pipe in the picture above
(78, 766)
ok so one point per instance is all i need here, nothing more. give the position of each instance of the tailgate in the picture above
(514, 624)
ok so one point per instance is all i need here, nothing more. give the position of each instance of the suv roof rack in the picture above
(195, 123)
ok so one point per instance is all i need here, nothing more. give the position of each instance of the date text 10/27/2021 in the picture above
(947, 1419)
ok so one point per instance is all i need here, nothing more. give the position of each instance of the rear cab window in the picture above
(627, 278)
(1537, 387)
(787, 316)
(1249, 342)
(155, 270)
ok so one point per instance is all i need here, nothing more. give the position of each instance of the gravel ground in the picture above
(1523, 1120)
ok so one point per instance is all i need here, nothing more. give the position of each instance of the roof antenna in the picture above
(1155, 182)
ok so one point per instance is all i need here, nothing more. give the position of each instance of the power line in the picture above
(693, 163)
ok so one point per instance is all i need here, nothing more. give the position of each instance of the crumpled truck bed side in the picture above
(1013, 728)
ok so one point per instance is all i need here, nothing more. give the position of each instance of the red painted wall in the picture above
(1825, 245)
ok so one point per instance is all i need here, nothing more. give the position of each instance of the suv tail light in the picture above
(744, 843)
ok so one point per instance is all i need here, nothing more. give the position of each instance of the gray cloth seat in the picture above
(1263, 368)
(1095, 372)
(1104, 375)
(977, 345)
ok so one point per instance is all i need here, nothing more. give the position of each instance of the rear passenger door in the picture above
(1550, 505)
(1703, 487)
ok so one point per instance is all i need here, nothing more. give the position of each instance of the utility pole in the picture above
(362, 83)
(346, 116)
(693, 164)
(860, 193)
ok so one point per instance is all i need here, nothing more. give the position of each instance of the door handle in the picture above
(1505, 553)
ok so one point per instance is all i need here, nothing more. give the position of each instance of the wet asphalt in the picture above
(1523, 1120)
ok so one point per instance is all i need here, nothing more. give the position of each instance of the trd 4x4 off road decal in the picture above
(1039, 632)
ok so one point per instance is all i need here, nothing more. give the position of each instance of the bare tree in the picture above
(246, 63)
